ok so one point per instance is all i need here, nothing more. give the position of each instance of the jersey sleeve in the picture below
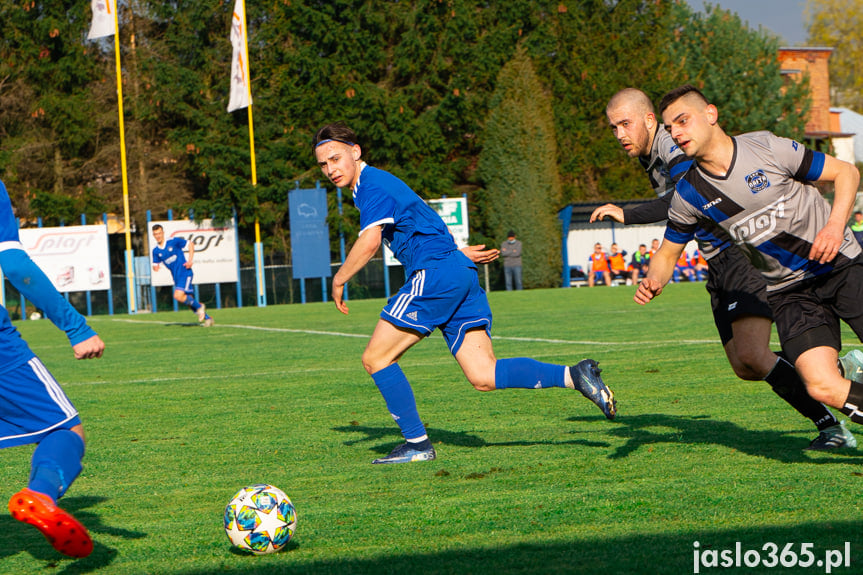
(8, 223)
(156, 257)
(648, 213)
(377, 208)
(800, 162)
(682, 218)
(178, 242)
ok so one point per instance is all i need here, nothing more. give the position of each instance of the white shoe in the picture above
(201, 313)
(833, 438)
(209, 322)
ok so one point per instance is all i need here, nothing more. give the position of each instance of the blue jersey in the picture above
(415, 233)
(172, 256)
(29, 279)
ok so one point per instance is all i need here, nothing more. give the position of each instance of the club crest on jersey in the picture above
(760, 224)
(757, 181)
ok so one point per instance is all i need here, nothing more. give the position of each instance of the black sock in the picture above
(854, 403)
(787, 384)
(423, 445)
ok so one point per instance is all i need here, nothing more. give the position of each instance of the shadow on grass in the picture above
(442, 436)
(16, 537)
(640, 431)
(654, 554)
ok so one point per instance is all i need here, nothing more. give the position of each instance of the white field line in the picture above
(495, 338)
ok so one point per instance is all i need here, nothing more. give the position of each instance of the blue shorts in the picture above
(32, 405)
(183, 281)
(449, 299)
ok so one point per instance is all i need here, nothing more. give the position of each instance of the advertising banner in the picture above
(310, 235)
(215, 259)
(75, 258)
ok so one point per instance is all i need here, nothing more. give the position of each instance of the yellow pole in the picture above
(252, 146)
(130, 267)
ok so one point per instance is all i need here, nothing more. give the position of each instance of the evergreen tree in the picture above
(518, 164)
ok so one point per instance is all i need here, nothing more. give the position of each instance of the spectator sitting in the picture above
(639, 264)
(617, 262)
(699, 264)
(683, 268)
(599, 268)
(857, 227)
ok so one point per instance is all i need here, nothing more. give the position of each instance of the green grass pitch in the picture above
(526, 481)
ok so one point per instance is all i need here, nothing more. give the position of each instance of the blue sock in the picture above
(399, 396)
(56, 463)
(192, 303)
(525, 373)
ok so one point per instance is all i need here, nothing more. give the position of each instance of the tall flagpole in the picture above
(259, 247)
(130, 256)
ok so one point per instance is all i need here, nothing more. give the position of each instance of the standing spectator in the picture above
(598, 267)
(857, 227)
(511, 253)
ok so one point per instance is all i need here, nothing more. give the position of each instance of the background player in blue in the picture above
(33, 406)
(442, 291)
(737, 290)
(757, 188)
(171, 254)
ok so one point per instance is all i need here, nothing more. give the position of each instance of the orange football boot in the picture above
(64, 532)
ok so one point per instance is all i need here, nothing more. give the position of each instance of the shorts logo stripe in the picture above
(52, 387)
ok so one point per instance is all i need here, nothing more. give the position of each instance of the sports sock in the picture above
(192, 303)
(399, 397)
(854, 403)
(526, 373)
(786, 383)
(56, 463)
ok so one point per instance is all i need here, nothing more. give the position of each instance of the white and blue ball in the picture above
(260, 519)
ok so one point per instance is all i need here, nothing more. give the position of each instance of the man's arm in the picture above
(188, 264)
(659, 272)
(32, 282)
(845, 178)
(646, 213)
(479, 255)
(363, 250)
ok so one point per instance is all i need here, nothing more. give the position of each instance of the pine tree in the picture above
(518, 165)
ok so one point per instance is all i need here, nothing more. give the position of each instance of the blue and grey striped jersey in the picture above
(765, 204)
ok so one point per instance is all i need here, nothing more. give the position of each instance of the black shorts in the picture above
(736, 289)
(807, 314)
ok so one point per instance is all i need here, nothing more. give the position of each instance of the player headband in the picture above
(345, 142)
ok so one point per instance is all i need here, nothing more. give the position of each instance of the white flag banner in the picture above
(104, 19)
(240, 97)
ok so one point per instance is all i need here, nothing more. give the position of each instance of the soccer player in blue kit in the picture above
(442, 291)
(33, 406)
(171, 254)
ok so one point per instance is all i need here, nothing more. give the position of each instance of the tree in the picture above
(518, 164)
(838, 24)
(743, 78)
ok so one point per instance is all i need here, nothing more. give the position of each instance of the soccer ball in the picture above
(261, 519)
